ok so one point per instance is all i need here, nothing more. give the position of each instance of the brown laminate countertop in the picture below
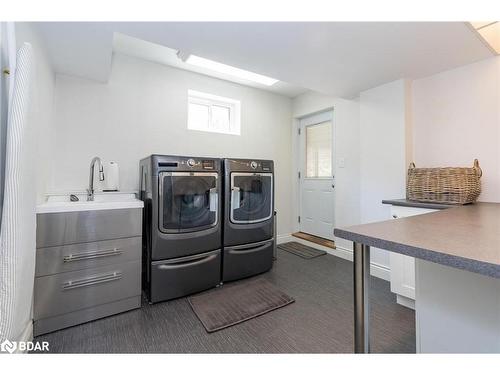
(466, 237)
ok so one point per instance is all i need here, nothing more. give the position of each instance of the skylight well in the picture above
(227, 69)
(489, 32)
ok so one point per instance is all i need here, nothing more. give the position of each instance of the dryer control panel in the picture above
(249, 165)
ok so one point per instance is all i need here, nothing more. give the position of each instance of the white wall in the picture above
(41, 116)
(456, 118)
(143, 110)
(384, 152)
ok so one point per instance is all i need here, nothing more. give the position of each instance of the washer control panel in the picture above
(167, 163)
(199, 164)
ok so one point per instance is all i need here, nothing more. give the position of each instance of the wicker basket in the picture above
(444, 185)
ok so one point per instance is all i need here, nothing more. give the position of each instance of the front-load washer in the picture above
(181, 225)
(248, 236)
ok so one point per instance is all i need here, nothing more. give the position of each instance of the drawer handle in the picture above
(195, 262)
(93, 280)
(91, 255)
(250, 250)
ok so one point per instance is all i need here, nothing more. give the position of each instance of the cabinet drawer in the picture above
(183, 276)
(402, 266)
(72, 291)
(64, 228)
(247, 260)
(57, 259)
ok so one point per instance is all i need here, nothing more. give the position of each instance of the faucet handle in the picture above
(101, 175)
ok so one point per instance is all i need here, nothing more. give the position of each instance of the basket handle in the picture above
(412, 165)
(477, 167)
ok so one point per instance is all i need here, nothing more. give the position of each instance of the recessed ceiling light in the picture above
(489, 32)
(230, 70)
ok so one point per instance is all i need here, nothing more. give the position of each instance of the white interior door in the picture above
(316, 175)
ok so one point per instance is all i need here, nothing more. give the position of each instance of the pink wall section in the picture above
(456, 118)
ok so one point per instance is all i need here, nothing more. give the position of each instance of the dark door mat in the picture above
(300, 250)
(235, 303)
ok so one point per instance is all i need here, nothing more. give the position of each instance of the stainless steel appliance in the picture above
(182, 225)
(248, 218)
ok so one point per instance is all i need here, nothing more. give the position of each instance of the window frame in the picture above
(210, 100)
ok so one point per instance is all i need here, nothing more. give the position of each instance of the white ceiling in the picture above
(336, 58)
(168, 56)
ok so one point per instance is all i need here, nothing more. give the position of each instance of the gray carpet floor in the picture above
(320, 321)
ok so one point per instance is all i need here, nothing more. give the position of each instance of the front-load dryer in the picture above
(182, 225)
(248, 236)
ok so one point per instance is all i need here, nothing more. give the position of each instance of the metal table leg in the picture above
(361, 298)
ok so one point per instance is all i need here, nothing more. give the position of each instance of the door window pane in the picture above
(319, 150)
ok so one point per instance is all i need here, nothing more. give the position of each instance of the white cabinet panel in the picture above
(402, 266)
(457, 311)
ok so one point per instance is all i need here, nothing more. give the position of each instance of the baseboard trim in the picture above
(283, 238)
(405, 301)
(376, 269)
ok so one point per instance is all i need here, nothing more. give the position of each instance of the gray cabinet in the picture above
(88, 266)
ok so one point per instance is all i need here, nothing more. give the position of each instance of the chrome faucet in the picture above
(90, 190)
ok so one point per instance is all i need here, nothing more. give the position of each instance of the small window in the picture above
(319, 150)
(211, 113)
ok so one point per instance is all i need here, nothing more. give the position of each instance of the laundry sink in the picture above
(102, 201)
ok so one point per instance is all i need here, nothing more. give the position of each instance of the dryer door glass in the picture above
(188, 201)
(251, 197)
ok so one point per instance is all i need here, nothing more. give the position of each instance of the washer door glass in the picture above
(188, 201)
(251, 197)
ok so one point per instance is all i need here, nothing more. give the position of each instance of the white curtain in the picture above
(18, 225)
(7, 63)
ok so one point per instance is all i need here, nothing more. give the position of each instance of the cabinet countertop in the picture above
(465, 237)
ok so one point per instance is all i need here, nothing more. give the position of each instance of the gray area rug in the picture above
(300, 250)
(237, 302)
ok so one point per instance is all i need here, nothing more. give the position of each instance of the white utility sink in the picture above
(102, 201)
